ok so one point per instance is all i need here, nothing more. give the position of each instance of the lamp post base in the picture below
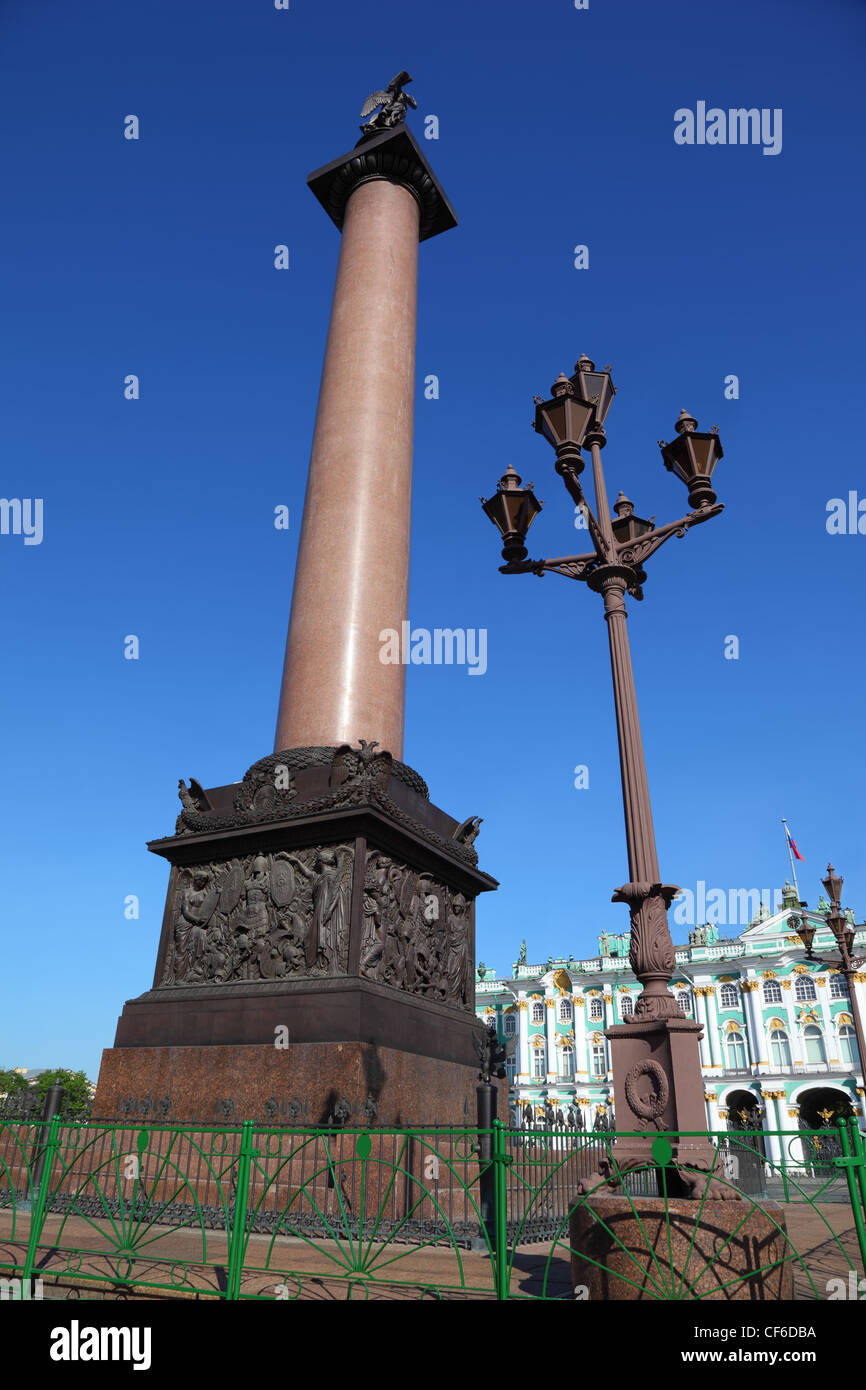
(658, 1087)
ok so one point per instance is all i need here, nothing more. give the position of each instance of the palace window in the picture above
(538, 1012)
(729, 997)
(736, 1051)
(566, 1062)
(780, 1048)
(848, 1044)
(772, 992)
(626, 1005)
(599, 1059)
(565, 1010)
(510, 1025)
(684, 999)
(838, 987)
(804, 990)
(596, 1009)
(815, 1049)
(510, 1069)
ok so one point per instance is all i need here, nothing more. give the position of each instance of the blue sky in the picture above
(155, 257)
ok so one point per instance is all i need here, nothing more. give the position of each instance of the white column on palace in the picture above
(581, 1065)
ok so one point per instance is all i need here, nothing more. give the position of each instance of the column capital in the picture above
(396, 156)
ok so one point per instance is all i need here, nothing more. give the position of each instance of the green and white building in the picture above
(778, 1030)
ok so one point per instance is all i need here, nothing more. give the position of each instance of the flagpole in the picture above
(791, 856)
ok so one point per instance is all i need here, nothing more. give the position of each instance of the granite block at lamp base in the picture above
(305, 1084)
(630, 1248)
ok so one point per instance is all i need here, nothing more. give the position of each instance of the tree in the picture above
(11, 1082)
(78, 1091)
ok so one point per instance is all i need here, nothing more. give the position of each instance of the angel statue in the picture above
(393, 102)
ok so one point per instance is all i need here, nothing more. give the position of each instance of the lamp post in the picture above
(655, 1055)
(844, 934)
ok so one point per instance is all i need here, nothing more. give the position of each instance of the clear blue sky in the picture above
(155, 257)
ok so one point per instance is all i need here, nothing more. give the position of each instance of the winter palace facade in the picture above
(778, 1037)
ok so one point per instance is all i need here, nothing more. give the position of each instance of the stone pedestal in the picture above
(316, 961)
(657, 1085)
(630, 1248)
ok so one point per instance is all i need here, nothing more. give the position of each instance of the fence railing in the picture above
(261, 1212)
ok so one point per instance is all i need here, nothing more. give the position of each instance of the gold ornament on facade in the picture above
(578, 1001)
(768, 975)
(562, 980)
(549, 1003)
(748, 985)
(786, 984)
(801, 970)
(821, 981)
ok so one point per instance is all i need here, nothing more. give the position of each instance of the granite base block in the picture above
(305, 1084)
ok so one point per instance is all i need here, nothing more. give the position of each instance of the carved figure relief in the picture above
(416, 933)
(263, 917)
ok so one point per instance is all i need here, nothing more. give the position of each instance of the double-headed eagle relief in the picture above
(393, 103)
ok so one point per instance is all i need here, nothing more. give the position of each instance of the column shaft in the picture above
(352, 574)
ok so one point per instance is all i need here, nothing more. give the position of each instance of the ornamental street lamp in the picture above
(844, 933)
(655, 1055)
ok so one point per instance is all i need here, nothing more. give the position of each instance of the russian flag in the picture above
(792, 845)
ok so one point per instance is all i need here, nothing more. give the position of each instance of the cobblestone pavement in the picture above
(85, 1259)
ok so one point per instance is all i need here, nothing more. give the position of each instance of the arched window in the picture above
(510, 1025)
(772, 992)
(538, 1012)
(684, 999)
(599, 1059)
(780, 1048)
(565, 1010)
(838, 987)
(539, 1062)
(626, 1005)
(848, 1044)
(510, 1068)
(596, 1009)
(736, 1051)
(729, 997)
(804, 990)
(566, 1062)
(815, 1049)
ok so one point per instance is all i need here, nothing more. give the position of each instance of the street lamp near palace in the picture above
(844, 933)
(655, 1055)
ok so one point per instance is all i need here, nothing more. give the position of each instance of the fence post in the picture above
(849, 1161)
(52, 1106)
(500, 1162)
(859, 1152)
(237, 1239)
(37, 1211)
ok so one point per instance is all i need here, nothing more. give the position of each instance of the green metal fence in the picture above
(254, 1212)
